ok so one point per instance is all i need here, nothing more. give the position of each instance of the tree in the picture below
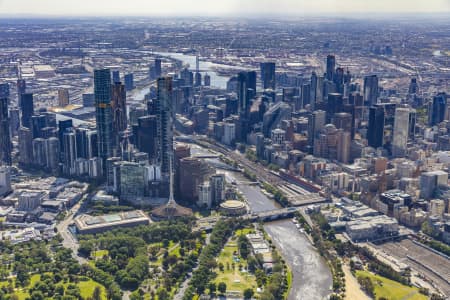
(244, 246)
(59, 289)
(248, 293)
(266, 296)
(37, 295)
(163, 294)
(252, 264)
(222, 287)
(85, 248)
(97, 294)
(212, 288)
(22, 274)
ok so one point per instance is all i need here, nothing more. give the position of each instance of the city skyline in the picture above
(249, 155)
(229, 8)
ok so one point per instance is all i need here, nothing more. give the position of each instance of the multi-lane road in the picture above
(69, 241)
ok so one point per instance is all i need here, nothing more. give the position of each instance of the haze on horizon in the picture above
(219, 8)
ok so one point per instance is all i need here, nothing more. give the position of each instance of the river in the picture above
(217, 80)
(311, 278)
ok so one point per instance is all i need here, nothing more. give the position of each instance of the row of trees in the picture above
(325, 240)
(367, 285)
(277, 194)
(436, 245)
(207, 260)
(276, 283)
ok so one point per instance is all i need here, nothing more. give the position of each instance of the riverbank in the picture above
(311, 277)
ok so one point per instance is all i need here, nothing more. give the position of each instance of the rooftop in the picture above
(87, 222)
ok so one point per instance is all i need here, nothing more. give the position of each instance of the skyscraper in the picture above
(146, 136)
(164, 116)
(246, 90)
(436, 110)
(370, 90)
(313, 89)
(103, 113)
(25, 146)
(158, 67)
(306, 94)
(52, 153)
(343, 120)
(5, 134)
(4, 90)
(129, 81)
(268, 75)
(335, 104)
(376, 126)
(27, 108)
(115, 76)
(401, 131)
(119, 108)
(413, 86)
(331, 67)
(63, 126)
(21, 89)
(38, 122)
(70, 152)
(316, 121)
(14, 120)
(338, 80)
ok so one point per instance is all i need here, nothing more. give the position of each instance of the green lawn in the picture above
(244, 231)
(289, 282)
(390, 289)
(175, 251)
(99, 253)
(234, 279)
(22, 293)
(87, 288)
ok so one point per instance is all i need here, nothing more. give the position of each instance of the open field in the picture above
(87, 288)
(235, 279)
(392, 290)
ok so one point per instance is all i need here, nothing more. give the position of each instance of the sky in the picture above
(228, 8)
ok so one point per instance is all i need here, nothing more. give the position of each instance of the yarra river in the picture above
(311, 276)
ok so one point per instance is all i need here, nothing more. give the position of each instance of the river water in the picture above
(217, 80)
(312, 278)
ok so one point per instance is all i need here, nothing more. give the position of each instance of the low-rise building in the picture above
(86, 224)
